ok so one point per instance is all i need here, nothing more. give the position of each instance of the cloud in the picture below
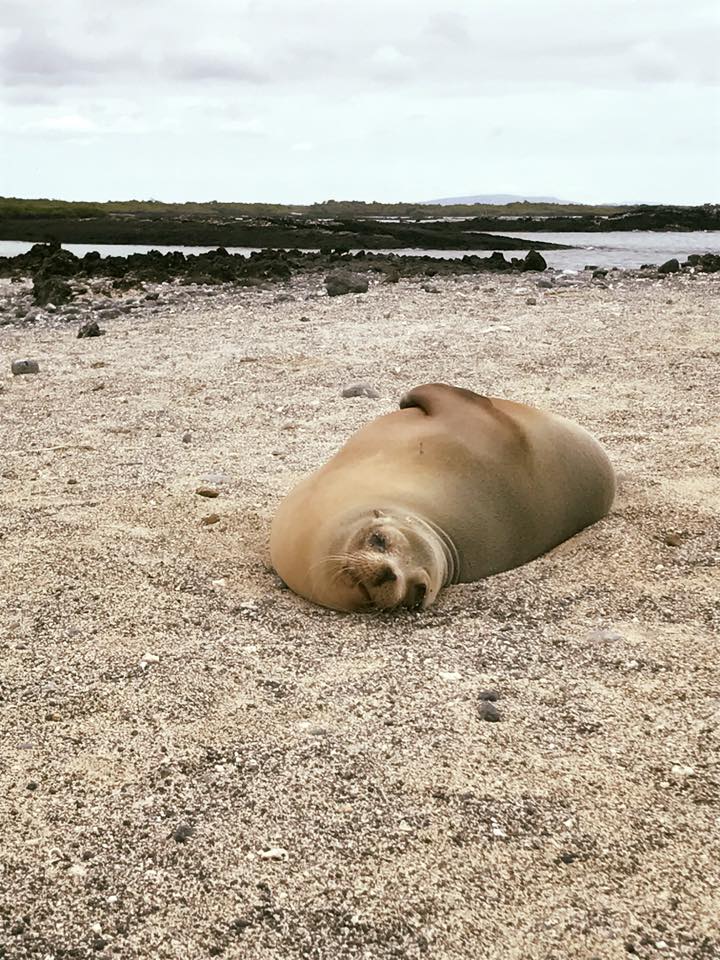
(70, 122)
(405, 96)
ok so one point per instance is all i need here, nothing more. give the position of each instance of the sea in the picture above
(624, 249)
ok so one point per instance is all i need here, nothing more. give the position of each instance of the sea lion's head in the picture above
(385, 559)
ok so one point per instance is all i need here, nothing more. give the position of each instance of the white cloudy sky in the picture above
(302, 100)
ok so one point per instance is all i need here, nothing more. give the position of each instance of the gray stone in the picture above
(488, 711)
(340, 282)
(670, 266)
(21, 367)
(360, 390)
(89, 329)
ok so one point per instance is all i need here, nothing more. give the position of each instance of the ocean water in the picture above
(628, 249)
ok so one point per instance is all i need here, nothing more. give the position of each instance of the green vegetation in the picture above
(17, 208)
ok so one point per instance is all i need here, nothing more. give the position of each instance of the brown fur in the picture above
(457, 486)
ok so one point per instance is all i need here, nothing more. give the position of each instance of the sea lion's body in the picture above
(465, 485)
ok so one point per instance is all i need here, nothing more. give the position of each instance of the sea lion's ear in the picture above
(430, 397)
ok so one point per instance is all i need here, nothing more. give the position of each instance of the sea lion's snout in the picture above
(387, 563)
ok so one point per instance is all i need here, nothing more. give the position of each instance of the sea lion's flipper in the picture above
(431, 397)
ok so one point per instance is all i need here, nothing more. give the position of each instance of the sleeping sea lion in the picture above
(450, 488)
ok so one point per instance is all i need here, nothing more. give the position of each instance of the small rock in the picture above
(670, 266)
(153, 295)
(488, 711)
(21, 367)
(210, 519)
(450, 676)
(209, 492)
(318, 731)
(680, 772)
(429, 289)
(531, 302)
(150, 658)
(340, 282)
(360, 390)
(392, 274)
(89, 329)
(304, 319)
(53, 717)
(673, 539)
(33, 785)
(489, 695)
(274, 853)
(183, 832)
(186, 437)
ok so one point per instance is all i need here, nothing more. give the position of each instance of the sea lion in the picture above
(450, 488)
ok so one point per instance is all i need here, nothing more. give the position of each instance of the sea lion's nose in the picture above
(386, 575)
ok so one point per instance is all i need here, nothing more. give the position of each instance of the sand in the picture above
(196, 763)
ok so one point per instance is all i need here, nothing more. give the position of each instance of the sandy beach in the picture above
(195, 762)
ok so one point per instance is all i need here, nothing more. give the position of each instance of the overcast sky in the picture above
(304, 100)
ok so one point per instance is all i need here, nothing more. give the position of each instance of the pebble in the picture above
(673, 539)
(33, 785)
(681, 772)
(360, 390)
(149, 658)
(210, 519)
(21, 367)
(183, 832)
(531, 301)
(274, 853)
(489, 695)
(89, 329)
(450, 676)
(488, 711)
(209, 492)
(186, 437)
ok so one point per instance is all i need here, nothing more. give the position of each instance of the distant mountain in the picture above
(494, 198)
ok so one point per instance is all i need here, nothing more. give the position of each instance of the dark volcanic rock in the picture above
(670, 266)
(89, 329)
(496, 261)
(51, 290)
(533, 261)
(392, 274)
(340, 282)
(704, 262)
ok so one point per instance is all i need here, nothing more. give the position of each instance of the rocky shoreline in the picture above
(51, 285)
